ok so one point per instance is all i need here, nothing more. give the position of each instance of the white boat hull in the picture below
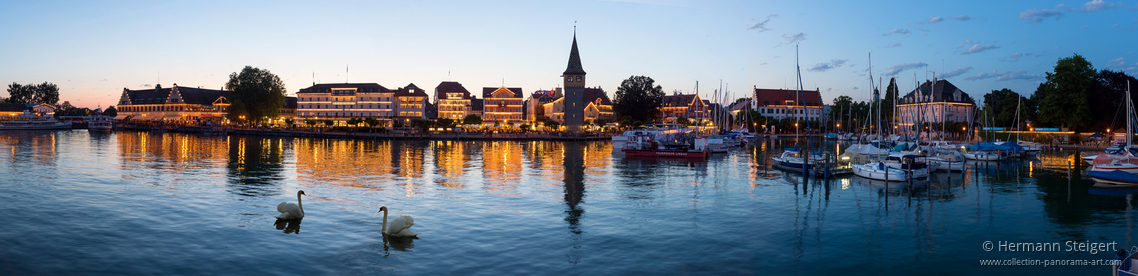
(982, 156)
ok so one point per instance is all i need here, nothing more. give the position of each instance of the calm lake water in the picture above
(147, 203)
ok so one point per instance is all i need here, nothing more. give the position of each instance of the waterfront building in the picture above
(535, 104)
(342, 101)
(411, 103)
(502, 105)
(598, 105)
(574, 83)
(15, 109)
(476, 106)
(934, 103)
(789, 104)
(689, 106)
(176, 103)
(288, 111)
(452, 100)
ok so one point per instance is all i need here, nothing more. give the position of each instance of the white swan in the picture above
(400, 227)
(291, 211)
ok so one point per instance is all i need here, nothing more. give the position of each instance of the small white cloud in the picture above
(762, 26)
(1036, 16)
(1118, 62)
(1096, 5)
(898, 31)
(1013, 57)
(934, 20)
(966, 42)
(1006, 76)
(957, 72)
(825, 66)
(978, 48)
(896, 69)
(792, 38)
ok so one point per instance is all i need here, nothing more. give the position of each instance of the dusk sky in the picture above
(94, 49)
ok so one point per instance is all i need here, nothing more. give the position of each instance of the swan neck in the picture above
(299, 203)
(384, 230)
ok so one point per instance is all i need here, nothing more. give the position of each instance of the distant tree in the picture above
(421, 124)
(1066, 93)
(255, 93)
(328, 122)
(371, 121)
(444, 122)
(310, 122)
(44, 93)
(472, 120)
(1002, 106)
(355, 121)
(111, 111)
(289, 122)
(887, 104)
(1107, 99)
(638, 98)
(552, 125)
(397, 123)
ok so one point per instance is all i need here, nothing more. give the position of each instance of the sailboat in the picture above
(1118, 171)
(793, 158)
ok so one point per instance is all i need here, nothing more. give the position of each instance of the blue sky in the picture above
(94, 49)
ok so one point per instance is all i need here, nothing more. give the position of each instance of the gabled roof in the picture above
(488, 92)
(13, 107)
(779, 97)
(592, 94)
(410, 91)
(745, 104)
(678, 100)
(290, 102)
(476, 104)
(450, 87)
(190, 95)
(360, 87)
(574, 59)
(942, 91)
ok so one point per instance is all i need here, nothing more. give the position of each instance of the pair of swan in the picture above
(400, 227)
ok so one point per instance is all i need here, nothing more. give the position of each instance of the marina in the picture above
(554, 206)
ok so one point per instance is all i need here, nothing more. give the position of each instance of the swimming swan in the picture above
(400, 227)
(291, 211)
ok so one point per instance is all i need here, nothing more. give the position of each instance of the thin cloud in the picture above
(1097, 5)
(762, 26)
(902, 67)
(825, 66)
(145, 85)
(1118, 62)
(957, 72)
(1006, 76)
(936, 19)
(976, 48)
(1013, 57)
(893, 45)
(962, 18)
(1036, 16)
(898, 31)
(855, 88)
(966, 42)
(791, 39)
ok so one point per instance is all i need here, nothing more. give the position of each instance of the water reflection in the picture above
(397, 243)
(255, 166)
(574, 180)
(289, 226)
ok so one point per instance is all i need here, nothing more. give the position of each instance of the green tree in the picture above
(310, 122)
(887, 104)
(1001, 106)
(289, 122)
(44, 93)
(472, 119)
(638, 98)
(371, 121)
(1066, 93)
(1107, 99)
(255, 93)
(355, 121)
(328, 122)
(444, 122)
(111, 111)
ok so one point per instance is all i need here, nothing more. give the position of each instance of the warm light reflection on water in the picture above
(167, 202)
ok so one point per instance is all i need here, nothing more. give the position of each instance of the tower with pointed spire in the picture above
(574, 79)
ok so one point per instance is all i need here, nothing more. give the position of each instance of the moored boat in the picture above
(28, 121)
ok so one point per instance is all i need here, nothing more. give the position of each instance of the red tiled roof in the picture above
(450, 87)
(487, 91)
(779, 97)
(678, 100)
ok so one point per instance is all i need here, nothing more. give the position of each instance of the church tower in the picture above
(574, 79)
